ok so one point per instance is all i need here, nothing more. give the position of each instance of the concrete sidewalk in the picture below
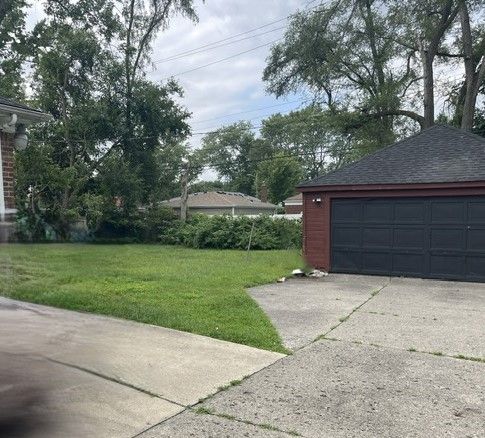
(107, 377)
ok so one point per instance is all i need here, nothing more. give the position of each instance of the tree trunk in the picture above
(428, 90)
(128, 134)
(428, 50)
(473, 76)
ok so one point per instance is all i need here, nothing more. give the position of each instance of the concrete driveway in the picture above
(373, 357)
(80, 375)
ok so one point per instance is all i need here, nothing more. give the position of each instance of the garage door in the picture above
(419, 237)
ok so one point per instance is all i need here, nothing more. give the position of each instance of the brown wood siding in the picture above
(8, 171)
(316, 218)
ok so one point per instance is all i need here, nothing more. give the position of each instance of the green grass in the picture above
(198, 291)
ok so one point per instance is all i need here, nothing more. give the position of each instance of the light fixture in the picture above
(21, 140)
(317, 200)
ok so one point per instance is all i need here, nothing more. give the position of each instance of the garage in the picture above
(419, 237)
(415, 208)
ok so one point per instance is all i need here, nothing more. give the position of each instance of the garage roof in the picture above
(435, 155)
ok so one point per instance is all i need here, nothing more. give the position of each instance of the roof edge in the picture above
(308, 183)
(405, 186)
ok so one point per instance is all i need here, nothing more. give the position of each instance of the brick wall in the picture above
(316, 230)
(7, 166)
(293, 209)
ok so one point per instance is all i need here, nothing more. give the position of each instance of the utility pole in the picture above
(184, 180)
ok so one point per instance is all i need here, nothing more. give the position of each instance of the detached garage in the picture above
(415, 208)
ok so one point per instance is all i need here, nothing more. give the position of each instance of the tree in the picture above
(141, 21)
(473, 48)
(207, 186)
(371, 62)
(13, 47)
(280, 174)
(310, 136)
(234, 152)
(342, 53)
(79, 79)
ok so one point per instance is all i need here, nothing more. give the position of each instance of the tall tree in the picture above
(80, 79)
(235, 152)
(421, 26)
(141, 20)
(372, 62)
(13, 48)
(343, 54)
(472, 46)
(310, 136)
(280, 175)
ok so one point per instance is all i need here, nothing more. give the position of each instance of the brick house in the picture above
(14, 119)
(294, 204)
(415, 208)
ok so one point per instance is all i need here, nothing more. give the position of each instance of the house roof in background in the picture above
(221, 199)
(295, 199)
(439, 154)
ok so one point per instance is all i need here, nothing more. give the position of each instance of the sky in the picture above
(214, 93)
(234, 85)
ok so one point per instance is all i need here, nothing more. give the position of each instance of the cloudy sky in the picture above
(214, 93)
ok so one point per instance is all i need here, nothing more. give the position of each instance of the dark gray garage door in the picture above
(420, 237)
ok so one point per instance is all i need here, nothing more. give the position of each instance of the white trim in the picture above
(293, 203)
(2, 195)
(25, 116)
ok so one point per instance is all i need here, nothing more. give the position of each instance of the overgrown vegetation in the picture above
(199, 291)
(226, 232)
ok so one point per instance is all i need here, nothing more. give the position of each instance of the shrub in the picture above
(141, 226)
(226, 232)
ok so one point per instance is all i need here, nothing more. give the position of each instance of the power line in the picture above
(220, 60)
(196, 52)
(252, 111)
(238, 35)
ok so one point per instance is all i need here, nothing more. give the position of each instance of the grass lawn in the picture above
(198, 291)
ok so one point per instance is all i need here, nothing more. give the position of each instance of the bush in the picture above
(141, 226)
(226, 232)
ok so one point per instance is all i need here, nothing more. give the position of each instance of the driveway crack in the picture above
(114, 380)
(354, 310)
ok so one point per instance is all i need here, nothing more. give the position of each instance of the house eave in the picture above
(390, 187)
(24, 116)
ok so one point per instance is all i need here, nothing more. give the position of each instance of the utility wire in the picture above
(196, 52)
(195, 49)
(220, 60)
(252, 111)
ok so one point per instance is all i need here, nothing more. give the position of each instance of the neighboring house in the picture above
(14, 118)
(294, 204)
(415, 208)
(220, 202)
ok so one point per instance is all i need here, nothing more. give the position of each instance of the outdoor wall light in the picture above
(21, 140)
(317, 201)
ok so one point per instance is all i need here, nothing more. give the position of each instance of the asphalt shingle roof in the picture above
(9, 102)
(438, 154)
(221, 199)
